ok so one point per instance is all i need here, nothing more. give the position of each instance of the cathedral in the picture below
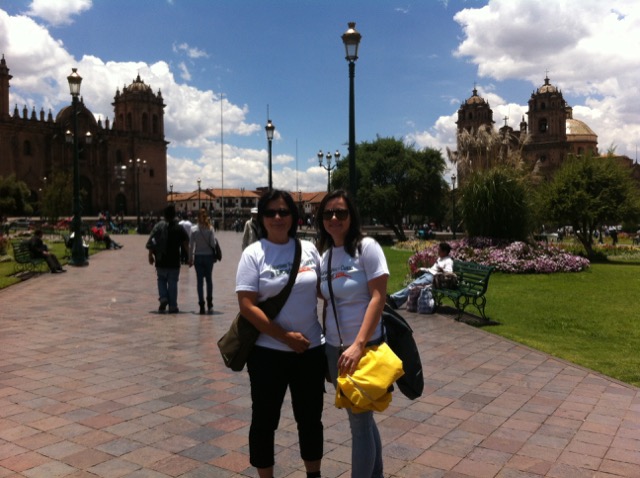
(122, 165)
(549, 135)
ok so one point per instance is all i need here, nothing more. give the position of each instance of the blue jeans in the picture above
(168, 285)
(203, 263)
(402, 295)
(366, 447)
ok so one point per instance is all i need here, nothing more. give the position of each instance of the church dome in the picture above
(138, 85)
(65, 116)
(547, 87)
(579, 130)
(475, 99)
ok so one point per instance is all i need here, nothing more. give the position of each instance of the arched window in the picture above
(543, 106)
(543, 125)
(129, 121)
(154, 124)
(145, 123)
(26, 147)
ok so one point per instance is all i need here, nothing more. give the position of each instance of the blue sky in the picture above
(418, 61)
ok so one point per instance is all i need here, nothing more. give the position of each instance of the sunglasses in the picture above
(340, 214)
(279, 212)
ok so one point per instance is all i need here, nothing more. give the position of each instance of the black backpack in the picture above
(399, 337)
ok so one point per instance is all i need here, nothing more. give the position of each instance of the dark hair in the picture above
(354, 234)
(170, 212)
(444, 247)
(272, 196)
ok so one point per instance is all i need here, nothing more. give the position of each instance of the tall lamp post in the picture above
(199, 195)
(78, 257)
(136, 166)
(328, 166)
(453, 205)
(171, 192)
(351, 39)
(270, 128)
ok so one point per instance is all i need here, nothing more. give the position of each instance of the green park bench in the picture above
(473, 280)
(23, 260)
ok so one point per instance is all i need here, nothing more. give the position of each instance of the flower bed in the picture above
(511, 257)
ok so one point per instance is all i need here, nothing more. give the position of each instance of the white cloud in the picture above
(58, 12)
(191, 52)
(185, 75)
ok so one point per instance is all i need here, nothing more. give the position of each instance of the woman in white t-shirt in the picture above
(359, 276)
(289, 352)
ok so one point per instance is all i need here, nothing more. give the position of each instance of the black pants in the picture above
(52, 262)
(271, 372)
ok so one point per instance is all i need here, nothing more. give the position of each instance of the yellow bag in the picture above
(368, 387)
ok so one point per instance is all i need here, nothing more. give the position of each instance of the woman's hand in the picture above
(298, 342)
(349, 360)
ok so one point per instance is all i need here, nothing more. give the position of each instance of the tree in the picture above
(14, 197)
(395, 181)
(588, 193)
(495, 204)
(57, 197)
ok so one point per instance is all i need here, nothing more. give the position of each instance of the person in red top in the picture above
(100, 234)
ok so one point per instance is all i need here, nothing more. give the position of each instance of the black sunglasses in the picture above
(279, 212)
(340, 214)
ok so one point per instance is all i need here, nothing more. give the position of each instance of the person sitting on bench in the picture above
(39, 250)
(444, 263)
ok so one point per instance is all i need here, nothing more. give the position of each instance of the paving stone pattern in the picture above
(94, 382)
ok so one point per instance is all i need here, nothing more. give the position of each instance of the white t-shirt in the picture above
(442, 264)
(349, 279)
(264, 268)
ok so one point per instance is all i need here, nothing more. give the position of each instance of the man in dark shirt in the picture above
(167, 260)
(39, 250)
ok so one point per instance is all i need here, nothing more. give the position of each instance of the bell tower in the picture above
(138, 110)
(4, 90)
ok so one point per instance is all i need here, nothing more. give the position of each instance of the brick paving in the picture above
(94, 382)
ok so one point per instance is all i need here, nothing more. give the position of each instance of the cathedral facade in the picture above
(548, 136)
(122, 165)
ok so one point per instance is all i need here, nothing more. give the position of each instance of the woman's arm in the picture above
(348, 361)
(248, 302)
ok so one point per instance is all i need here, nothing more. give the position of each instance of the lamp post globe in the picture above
(78, 257)
(351, 39)
(328, 167)
(270, 129)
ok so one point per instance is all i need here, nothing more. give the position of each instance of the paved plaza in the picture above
(94, 382)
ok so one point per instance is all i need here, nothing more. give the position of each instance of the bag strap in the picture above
(333, 301)
(280, 299)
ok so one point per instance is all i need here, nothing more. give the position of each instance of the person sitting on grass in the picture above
(444, 263)
(39, 250)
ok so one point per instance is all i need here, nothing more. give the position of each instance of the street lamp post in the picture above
(171, 194)
(78, 257)
(453, 205)
(328, 166)
(137, 165)
(351, 39)
(198, 195)
(270, 128)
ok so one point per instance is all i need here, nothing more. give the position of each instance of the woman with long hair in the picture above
(201, 256)
(289, 352)
(358, 274)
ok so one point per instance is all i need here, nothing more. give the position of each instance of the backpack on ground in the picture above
(158, 240)
(399, 337)
(412, 299)
(426, 303)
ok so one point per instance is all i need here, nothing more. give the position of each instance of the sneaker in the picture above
(174, 311)
(62, 270)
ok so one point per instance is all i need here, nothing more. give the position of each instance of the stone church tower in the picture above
(34, 147)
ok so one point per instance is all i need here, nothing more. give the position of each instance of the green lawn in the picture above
(589, 318)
